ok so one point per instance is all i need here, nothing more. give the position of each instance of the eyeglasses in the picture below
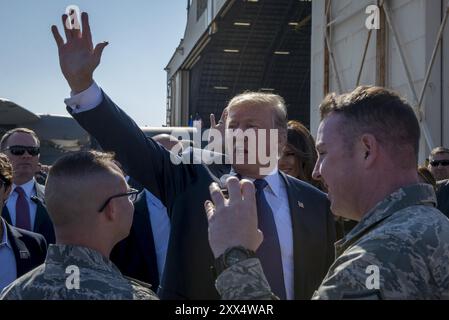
(436, 163)
(131, 194)
(20, 150)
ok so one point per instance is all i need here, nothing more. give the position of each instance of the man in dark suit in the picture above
(20, 250)
(443, 196)
(299, 229)
(25, 207)
(142, 254)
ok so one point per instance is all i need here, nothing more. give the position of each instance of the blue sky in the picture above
(142, 35)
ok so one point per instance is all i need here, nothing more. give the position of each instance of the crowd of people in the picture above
(348, 216)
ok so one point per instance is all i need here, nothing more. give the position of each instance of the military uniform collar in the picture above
(79, 256)
(417, 194)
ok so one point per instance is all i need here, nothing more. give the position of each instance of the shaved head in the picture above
(77, 184)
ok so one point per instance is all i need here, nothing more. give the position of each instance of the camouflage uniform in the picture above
(404, 236)
(244, 280)
(99, 279)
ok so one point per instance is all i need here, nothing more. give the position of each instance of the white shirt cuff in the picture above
(86, 100)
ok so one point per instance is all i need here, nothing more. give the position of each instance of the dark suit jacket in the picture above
(183, 190)
(443, 196)
(135, 256)
(43, 224)
(29, 248)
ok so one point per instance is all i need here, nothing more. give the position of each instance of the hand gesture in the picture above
(221, 126)
(77, 57)
(233, 221)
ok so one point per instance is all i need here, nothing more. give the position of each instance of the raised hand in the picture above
(233, 221)
(77, 57)
(221, 126)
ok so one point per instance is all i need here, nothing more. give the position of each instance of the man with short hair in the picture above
(368, 145)
(91, 206)
(25, 207)
(439, 163)
(295, 217)
(20, 250)
(368, 151)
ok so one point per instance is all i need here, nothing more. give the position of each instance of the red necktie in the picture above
(22, 210)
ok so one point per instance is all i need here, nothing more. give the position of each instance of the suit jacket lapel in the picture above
(42, 223)
(5, 215)
(144, 234)
(41, 215)
(300, 235)
(21, 253)
(41, 212)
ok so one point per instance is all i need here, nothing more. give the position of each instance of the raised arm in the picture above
(143, 159)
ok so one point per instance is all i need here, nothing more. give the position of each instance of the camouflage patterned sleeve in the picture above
(347, 280)
(377, 268)
(244, 281)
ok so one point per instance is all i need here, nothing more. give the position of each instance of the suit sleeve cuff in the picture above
(86, 100)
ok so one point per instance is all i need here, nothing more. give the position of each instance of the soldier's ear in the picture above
(110, 211)
(369, 149)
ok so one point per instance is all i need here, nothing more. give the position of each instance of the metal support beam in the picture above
(381, 49)
(424, 126)
(357, 83)
(326, 79)
(331, 54)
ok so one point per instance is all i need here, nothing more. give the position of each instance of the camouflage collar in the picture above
(417, 194)
(82, 257)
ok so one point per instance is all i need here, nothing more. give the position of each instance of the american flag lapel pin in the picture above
(300, 204)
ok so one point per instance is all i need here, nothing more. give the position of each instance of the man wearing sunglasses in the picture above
(439, 163)
(25, 207)
(439, 167)
(91, 206)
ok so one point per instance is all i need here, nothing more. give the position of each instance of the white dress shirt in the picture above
(86, 100)
(30, 191)
(276, 193)
(160, 226)
(8, 267)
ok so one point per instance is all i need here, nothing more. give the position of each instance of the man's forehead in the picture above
(251, 107)
(21, 136)
(328, 129)
(441, 156)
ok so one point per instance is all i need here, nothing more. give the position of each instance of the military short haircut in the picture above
(78, 169)
(380, 112)
(84, 163)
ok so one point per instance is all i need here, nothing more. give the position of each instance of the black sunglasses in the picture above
(131, 194)
(20, 150)
(436, 163)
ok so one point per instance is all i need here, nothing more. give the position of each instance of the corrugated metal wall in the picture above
(417, 23)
